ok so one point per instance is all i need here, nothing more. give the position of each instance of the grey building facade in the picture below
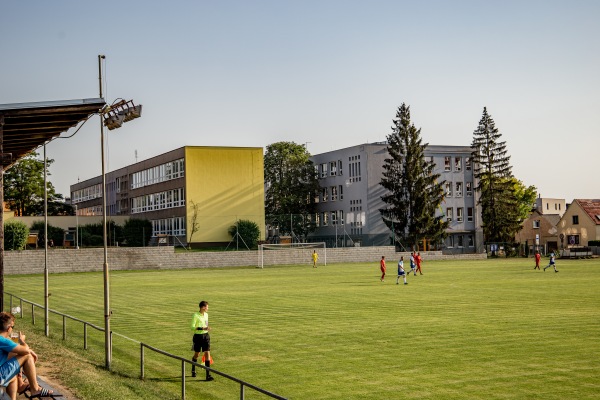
(350, 197)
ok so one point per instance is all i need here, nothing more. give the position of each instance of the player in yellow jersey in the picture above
(201, 338)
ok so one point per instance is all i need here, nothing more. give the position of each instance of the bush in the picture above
(15, 235)
(248, 231)
(93, 234)
(55, 233)
(137, 232)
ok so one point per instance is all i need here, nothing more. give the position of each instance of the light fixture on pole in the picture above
(112, 117)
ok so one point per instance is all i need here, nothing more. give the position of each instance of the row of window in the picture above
(458, 189)
(336, 217)
(337, 192)
(160, 173)
(158, 201)
(334, 168)
(88, 193)
(87, 211)
(458, 163)
(459, 214)
(168, 226)
(460, 241)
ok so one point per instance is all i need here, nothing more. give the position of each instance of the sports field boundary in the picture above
(165, 257)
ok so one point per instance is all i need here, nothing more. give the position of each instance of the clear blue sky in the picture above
(328, 73)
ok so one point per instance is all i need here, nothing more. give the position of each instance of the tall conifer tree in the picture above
(491, 167)
(413, 192)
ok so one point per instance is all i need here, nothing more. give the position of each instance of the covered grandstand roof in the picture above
(26, 126)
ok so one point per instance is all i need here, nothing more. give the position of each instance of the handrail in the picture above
(242, 383)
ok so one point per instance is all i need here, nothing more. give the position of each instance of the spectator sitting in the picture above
(13, 356)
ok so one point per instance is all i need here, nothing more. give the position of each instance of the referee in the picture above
(201, 338)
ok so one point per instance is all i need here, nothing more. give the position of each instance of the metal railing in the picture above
(243, 384)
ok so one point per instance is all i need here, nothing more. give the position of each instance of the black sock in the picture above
(193, 366)
(207, 364)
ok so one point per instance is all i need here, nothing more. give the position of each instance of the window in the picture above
(460, 240)
(323, 170)
(447, 166)
(459, 186)
(160, 173)
(334, 193)
(469, 188)
(324, 194)
(341, 192)
(325, 219)
(470, 240)
(536, 224)
(449, 214)
(334, 218)
(469, 214)
(341, 214)
(468, 163)
(339, 167)
(317, 219)
(450, 241)
(573, 240)
(575, 219)
(457, 163)
(333, 168)
(449, 189)
(459, 214)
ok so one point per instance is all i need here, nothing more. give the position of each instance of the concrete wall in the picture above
(122, 258)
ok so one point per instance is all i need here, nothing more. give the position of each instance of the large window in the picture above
(448, 189)
(334, 193)
(88, 193)
(160, 173)
(333, 168)
(469, 214)
(469, 188)
(459, 189)
(458, 163)
(158, 201)
(449, 214)
(575, 219)
(447, 161)
(169, 226)
(459, 214)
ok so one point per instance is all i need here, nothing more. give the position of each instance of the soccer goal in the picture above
(291, 253)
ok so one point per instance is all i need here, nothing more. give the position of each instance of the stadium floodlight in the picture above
(123, 111)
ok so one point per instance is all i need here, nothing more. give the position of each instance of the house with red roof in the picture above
(580, 223)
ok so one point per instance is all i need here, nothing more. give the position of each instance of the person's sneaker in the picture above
(555, 270)
(210, 378)
(406, 283)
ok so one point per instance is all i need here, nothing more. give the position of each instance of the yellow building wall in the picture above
(226, 184)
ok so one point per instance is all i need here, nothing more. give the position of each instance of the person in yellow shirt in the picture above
(201, 338)
(315, 258)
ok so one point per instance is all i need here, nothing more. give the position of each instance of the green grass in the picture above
(492, 329)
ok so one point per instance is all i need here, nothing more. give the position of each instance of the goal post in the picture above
(291, 253)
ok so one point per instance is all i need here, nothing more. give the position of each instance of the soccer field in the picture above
(493, 329)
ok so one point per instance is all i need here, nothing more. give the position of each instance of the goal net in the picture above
(291, 253)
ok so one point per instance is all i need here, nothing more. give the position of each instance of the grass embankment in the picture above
(491, 329)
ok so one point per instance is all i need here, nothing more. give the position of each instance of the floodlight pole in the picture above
(107, 333)
(46, 294)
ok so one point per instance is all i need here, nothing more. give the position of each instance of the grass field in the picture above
(492, 329)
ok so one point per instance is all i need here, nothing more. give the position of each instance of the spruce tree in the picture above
(413, 193)
(491, 167)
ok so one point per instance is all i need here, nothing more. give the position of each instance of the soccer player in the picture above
(412, 264)
(418, 260)
(201, 338)
(401, 272)
(552, 262)
(315, 258)
(382, 267)
(537, 260)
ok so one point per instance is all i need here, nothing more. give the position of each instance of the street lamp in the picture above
(112, 117)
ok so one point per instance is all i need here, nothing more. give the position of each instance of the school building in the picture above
(192, 194)
(350, 197)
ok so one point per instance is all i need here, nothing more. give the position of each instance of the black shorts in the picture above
(201, 342)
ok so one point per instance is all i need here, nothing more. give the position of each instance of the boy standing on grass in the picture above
(315, 258)
(552, 263)
(418, 260)
(201, 338)
(401, 272)
(537, 260)
(382, 267)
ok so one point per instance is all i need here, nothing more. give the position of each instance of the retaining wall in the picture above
(123, 258)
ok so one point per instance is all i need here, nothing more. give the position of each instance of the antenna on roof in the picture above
(136, 156)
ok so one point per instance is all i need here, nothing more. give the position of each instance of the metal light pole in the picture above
(46, 294)
(107, 333)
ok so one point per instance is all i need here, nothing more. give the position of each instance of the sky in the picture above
(329, 74)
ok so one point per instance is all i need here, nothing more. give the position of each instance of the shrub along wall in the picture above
(123, 258)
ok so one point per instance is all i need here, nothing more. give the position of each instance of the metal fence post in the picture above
(141, 360)
(182, 380)
(32, 314)
(64, 328)
(241, 391)
(85, 336)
